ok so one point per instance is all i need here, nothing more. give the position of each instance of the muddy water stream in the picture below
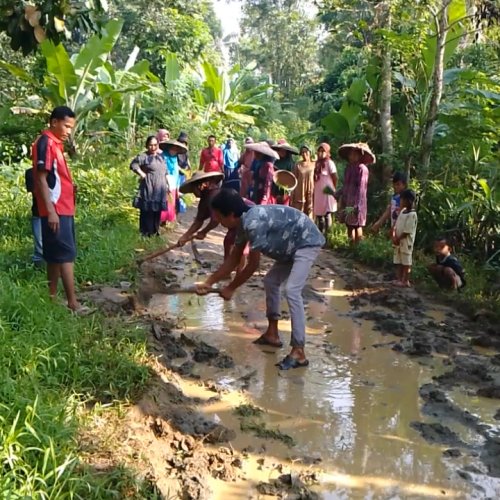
(349, 412)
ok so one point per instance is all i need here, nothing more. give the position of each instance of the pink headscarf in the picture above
(321, 163)
(162, 135)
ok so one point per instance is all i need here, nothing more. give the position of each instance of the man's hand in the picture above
(183, 240)
(201, 235)
(203, 288)
(227, 293)
(53, 220)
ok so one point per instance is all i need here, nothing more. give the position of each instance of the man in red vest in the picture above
(55, 197)
(211, 159)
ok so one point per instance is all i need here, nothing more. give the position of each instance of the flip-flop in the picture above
(288, 363)
(263, 341)
(83, 311)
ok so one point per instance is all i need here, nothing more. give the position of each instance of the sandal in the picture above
(288, 363)
(83, 311)
(263, 341)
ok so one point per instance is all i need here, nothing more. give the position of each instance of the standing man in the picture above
(211, 159)
(55, 197)
(288, 237)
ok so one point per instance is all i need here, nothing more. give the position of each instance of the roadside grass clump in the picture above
(248, 410)
(259, 429)
(56, 367)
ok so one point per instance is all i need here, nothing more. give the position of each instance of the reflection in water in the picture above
(352, 406)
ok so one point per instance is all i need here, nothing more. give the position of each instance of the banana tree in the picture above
(230, 95)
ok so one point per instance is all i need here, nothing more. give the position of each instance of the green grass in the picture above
(376, 251)
(55, 366)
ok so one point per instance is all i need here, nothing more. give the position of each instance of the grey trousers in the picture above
(295, 273)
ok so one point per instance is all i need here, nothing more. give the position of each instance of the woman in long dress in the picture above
(354, 191)
(325, 184)
(153, 187)
(302, 195)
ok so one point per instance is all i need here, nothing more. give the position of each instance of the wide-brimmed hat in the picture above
(263, 148)
(367, 155)
(287, 147)
(171, 142)
(285, 179)
(198, 178)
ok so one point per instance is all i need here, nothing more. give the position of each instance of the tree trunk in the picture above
(385, 102)
(437, 88)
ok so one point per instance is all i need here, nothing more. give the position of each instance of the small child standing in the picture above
(399, 184)
(447, 271)
(403, 237)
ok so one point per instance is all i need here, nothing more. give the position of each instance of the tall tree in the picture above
(282, 38)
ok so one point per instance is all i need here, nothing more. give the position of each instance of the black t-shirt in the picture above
(29, 182)
(452, 262)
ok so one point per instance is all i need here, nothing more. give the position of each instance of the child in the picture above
(399, 184)
(403, 237)
(447, 271)
(302, 195)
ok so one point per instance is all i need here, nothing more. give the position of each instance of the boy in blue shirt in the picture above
(399, 184)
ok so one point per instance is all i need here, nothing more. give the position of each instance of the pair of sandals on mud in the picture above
(288, 362)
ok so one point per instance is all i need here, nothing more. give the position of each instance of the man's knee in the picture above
(293, 292)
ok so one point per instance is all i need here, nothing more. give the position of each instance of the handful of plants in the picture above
(328, 190)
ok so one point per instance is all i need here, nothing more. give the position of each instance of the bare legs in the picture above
(65, 272)
(355, 234)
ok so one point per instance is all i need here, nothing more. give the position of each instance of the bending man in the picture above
(288, 237)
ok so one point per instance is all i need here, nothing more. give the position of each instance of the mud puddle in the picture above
(376, 415)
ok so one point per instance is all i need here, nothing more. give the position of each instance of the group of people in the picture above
(263, 223)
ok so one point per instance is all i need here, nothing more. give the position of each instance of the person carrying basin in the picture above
(287, 236)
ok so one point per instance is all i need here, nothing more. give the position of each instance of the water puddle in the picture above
(349, 413)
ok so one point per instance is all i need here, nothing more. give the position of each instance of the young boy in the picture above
(288, 237)
(55, 199)
(403, 237)
(447, 271)
(399, 184)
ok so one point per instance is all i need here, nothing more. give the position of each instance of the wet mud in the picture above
(401, 398)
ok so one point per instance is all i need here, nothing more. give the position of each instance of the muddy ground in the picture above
(401, 400)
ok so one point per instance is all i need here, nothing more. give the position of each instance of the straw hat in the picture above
(367, 155)
(282, 144)
(171, 142)
(198, 178)
(263, 148)
(285, 179)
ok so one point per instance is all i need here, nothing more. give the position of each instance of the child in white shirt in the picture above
(403, 238)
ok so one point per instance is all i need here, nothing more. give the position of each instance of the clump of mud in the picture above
(290, 486)
(188, 461)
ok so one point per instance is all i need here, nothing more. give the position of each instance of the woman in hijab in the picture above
(246, 160)
(325, 184)
(153, 187)
(302, 195)
(162, 135)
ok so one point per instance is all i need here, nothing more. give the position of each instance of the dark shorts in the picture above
(60, 247)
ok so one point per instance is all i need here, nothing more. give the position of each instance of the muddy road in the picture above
(401, 398)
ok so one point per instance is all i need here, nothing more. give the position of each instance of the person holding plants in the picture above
(288, 237)
(403, 238)
(325, 184)
(302, 197)
(246, 160)
(153, 187)
(447, 271)
(352, 196)
(55, 199)
(184, 170)
(399, 184)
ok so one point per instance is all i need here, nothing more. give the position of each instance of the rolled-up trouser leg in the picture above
(272, 282)
(301, 266)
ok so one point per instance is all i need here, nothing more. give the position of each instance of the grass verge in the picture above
(376, 251)
(55, 367)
